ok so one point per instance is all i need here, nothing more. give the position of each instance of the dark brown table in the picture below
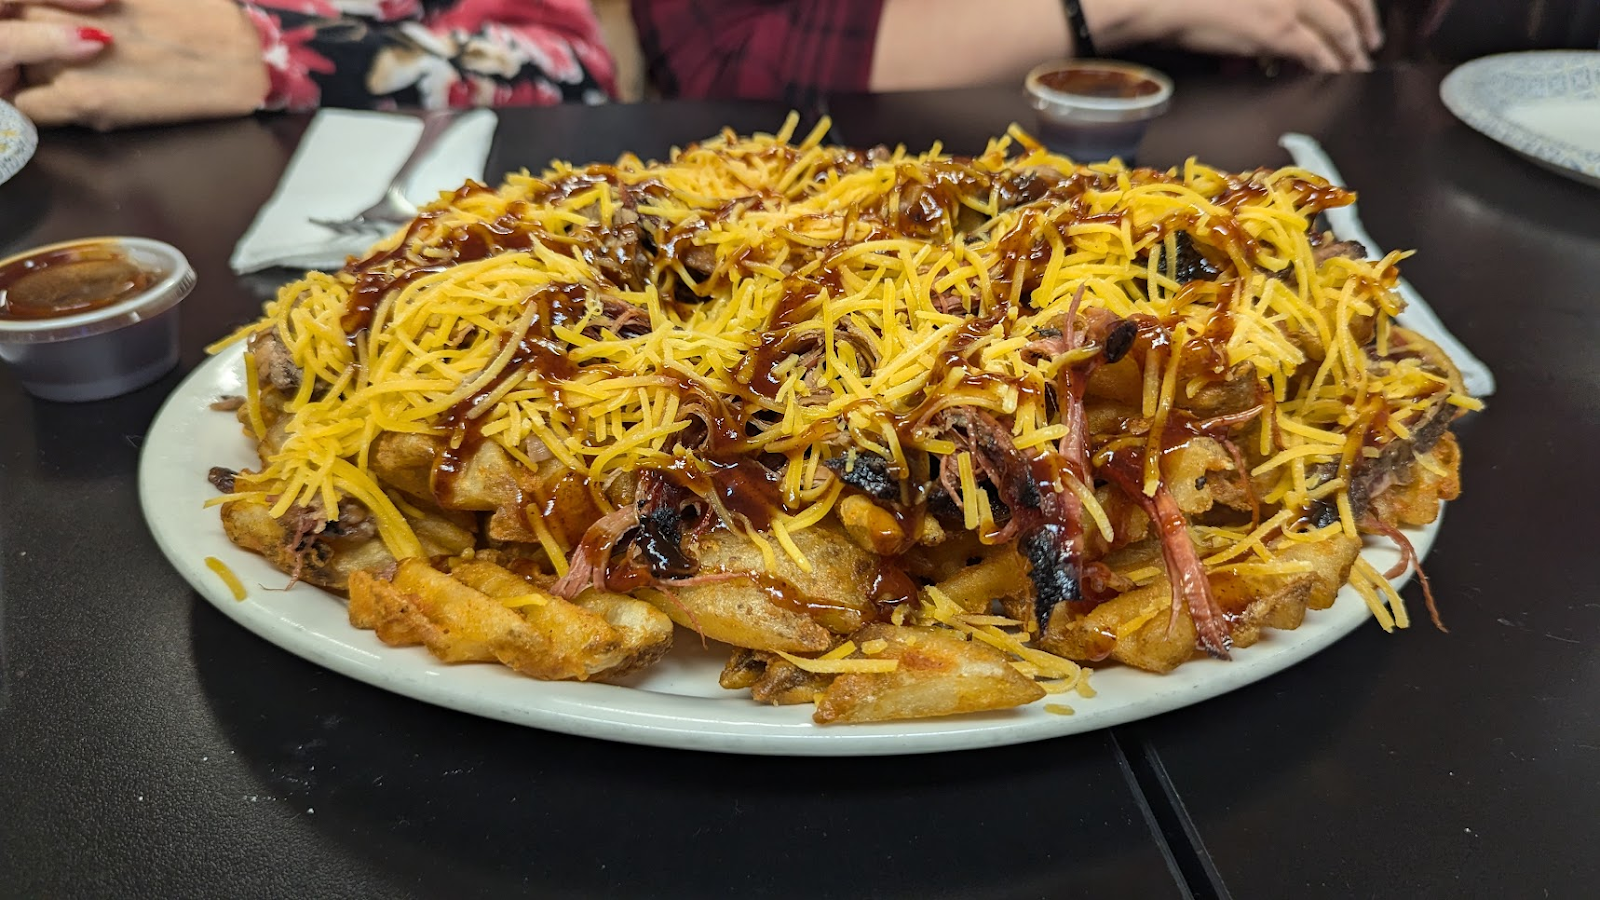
(149, 747)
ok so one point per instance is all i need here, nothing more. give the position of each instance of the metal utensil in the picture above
(393, 208)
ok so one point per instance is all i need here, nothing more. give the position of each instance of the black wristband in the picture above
(1082, 42)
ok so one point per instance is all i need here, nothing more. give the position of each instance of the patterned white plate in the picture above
(18, 140)
(1544, 105)
(677, 702)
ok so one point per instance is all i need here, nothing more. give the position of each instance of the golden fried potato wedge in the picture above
(743, 668)
(1190, 471)
(834, 593)
(937, 560)
(318, 553)
(441, 534)
(445, 621)
(771, 678)
(1130, 628)
(379, 606)
(1253, 604)
(248, 523)
(645, 632)
(940, 674)
(1123, 383)
(1330, 561)
(1133, 628)
(597, 637)
(488, 480)
(307, 554)
(565, 505)
(470, 626)
(496, 580)
(1415, 500)
(872, 527)
(1002, 575)
(404, 461)
(1235, 392)
(738, 612)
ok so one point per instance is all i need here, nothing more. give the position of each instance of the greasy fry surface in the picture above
(801, 399)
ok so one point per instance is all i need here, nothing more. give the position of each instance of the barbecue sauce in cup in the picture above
(92, 318)
(1119, 84)
(1093, 110)
(69, 280)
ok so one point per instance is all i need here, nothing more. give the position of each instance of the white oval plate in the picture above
(676, 703)
(1544, 105)
(18, 140)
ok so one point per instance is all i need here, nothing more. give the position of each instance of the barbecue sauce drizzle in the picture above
(721, 467)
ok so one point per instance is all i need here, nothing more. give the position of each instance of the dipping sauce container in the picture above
(93, 318)
(1092, 110)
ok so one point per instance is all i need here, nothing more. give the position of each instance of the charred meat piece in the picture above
(1373, 475)
(353, 526)
(950, 303)
(620, 318)
(1046, 521)
(1054, 574)
(1119, 340)
(221, 478)
(941, 505)
(624, 257)
(660, 536)
(274, 364)
(700, 259)
(1322, 513)
(1324, 251)
(1190, 264)
(867, 473)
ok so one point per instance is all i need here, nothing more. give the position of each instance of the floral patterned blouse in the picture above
(381, 54)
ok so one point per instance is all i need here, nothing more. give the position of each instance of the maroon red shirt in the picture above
(791, 50)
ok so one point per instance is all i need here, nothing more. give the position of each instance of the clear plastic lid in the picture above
(172, 278)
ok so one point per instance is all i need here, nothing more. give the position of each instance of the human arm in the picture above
(923, 44)
(794, 50)
(191, 59)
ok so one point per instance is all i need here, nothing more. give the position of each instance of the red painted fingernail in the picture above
(95, 35)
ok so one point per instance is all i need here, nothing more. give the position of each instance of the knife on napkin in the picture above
(343, 164)
(1418, 315)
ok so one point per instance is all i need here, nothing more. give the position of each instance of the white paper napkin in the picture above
(343, 165)
(1418, 315)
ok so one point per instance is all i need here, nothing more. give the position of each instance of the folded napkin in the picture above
(343, 164)
(1418, 315)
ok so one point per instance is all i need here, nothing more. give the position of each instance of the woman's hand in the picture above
(170, 60)
(1323, 35)
(31, 43)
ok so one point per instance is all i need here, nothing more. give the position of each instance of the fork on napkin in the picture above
(343, 164)
(1418, 315)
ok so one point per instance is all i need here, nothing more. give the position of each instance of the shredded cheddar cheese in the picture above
(235, 587)
(841, 300)
(822, 666)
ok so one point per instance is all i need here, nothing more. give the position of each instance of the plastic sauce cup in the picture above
(1093, 110)
(93, 318)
